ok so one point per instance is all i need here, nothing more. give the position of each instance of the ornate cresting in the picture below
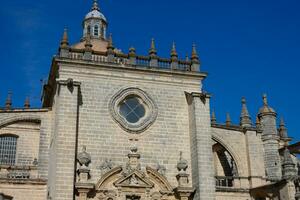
(131, 182)
(82, 185)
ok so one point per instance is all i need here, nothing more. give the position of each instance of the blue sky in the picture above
(247, 47)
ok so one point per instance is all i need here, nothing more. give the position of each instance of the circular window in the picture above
(133, 110)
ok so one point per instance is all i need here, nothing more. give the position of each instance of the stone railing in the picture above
(18, 172)
(231, 183)
(136, 60)
(224, 181)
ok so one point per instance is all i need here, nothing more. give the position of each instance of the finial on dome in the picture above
(95, 5)
(266, 109)
(265, 99)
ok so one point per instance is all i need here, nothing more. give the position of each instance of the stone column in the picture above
(65, 139)
(203, 176)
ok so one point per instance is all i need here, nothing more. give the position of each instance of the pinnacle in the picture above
(228, 119)
(152, 50)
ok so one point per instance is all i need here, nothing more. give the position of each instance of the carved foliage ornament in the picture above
(133, 110)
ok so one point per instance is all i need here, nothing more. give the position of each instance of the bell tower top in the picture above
(95, 23)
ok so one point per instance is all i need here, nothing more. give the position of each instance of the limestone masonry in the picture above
(121, 126)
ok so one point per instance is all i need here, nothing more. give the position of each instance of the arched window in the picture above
(88, 30)
(96, 30)
(8, 149)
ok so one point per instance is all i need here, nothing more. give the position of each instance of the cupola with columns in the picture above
(95, 23)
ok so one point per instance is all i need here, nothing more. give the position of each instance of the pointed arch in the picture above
(232, 153)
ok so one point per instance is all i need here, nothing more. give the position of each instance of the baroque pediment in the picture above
(134, 179)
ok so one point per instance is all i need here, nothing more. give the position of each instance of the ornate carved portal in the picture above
(133, 183)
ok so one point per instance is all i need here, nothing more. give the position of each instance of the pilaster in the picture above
(201, 146)
(66, 128)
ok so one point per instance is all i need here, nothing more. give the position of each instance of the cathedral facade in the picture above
(121, 126)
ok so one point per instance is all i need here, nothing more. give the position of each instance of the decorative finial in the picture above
(182, 164)
(283, 130)
(8, 102)
(27, 103)
(213, 117)
(65, 40)
(228, 119)
(152, 51)
(173, 51)
(88, 44)
(110, 42)
(195, 56)
(132, 52)
(95, 5)
(83, 157)
(265, 99)
(245, 120)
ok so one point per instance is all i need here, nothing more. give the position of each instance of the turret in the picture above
(267, 117)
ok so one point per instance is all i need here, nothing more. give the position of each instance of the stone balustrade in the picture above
(231, 183)
(136, 60)
(18, 172)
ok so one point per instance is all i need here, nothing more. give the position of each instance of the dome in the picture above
(266, 108)
(95, 14)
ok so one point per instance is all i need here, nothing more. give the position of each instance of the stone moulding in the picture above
(145, 122)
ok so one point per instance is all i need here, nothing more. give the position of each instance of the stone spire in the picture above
(195, 60)
(174, 54)
(213, 118)
(195, 57)
(64, 44)
(8, 102)
(95, 6)
(228, 119)
(27, 103)
(288, 166)
(110, 45)
(152, 50)
(283, 130)
(245, 119)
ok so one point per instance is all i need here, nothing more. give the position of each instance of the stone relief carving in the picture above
(106, 166)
